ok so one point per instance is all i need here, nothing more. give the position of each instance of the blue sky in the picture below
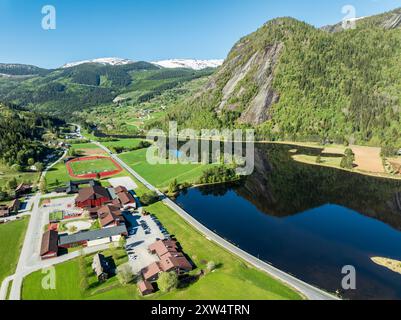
(151, 29)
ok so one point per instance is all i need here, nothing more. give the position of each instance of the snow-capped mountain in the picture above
(171, 64)
(189, 63)
(103, 61)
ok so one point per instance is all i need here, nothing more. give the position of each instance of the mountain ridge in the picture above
(292, 81)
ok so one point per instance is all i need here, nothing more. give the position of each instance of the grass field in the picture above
(57, 176)
(234, 279)
(93, 166)
(11, 238)
(56, 216)
(7, 174)
(69, 284)
(123, 143)
(78, 146)
(161, 175)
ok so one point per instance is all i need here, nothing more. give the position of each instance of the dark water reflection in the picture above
(309, 221)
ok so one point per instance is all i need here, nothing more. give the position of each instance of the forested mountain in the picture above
(21, 70)
(293, 81)
(62, 92)
(21, 134)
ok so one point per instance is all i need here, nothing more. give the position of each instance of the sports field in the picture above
(160, 175)
(89, 167)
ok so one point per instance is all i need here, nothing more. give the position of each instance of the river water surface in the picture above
(309, 221)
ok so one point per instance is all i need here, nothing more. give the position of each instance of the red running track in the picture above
(93, 175)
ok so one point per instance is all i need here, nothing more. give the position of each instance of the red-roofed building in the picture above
(145, 288)
(49, 247)
(90, 197)
(151, 272)
(124, 196)
(110, 216)
(171, 259)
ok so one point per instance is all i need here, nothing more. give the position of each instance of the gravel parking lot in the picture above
(144, 232)
(123, 181)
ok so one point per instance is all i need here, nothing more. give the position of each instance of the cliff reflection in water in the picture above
(282, 187)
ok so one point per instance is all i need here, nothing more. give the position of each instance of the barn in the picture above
(94, 196)
(49, 247)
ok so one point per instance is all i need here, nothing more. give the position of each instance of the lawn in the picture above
(7, 174)
(57, 176)
(69, 284)
(324, 160)
(123, 143)
(93, 166)
(79, 146)
(160, 175)
(11, 236)
(56, 216)
(234, 279)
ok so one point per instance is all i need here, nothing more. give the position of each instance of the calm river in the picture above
(309, 221)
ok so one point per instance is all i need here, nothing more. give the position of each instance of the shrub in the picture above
(125, 274)
(211, 266)
(173, 186)
(149, 198)
(168, 281)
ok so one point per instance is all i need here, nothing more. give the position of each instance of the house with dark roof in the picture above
(72, 187)
(49, 247)
(22, 189)
(12, 208)
(4, 211)
(90, 197)
(92, 238)
(101, 267)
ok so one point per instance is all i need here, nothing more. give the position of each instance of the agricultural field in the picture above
(132, 116)
(160, 175)
(123, 143)
(87, 149)
(11, 236)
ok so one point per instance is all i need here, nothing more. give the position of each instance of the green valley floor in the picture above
(11, 238)
(233, 279)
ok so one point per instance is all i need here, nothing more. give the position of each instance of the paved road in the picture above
(43, 264)
(306, 289)
(30, 251)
